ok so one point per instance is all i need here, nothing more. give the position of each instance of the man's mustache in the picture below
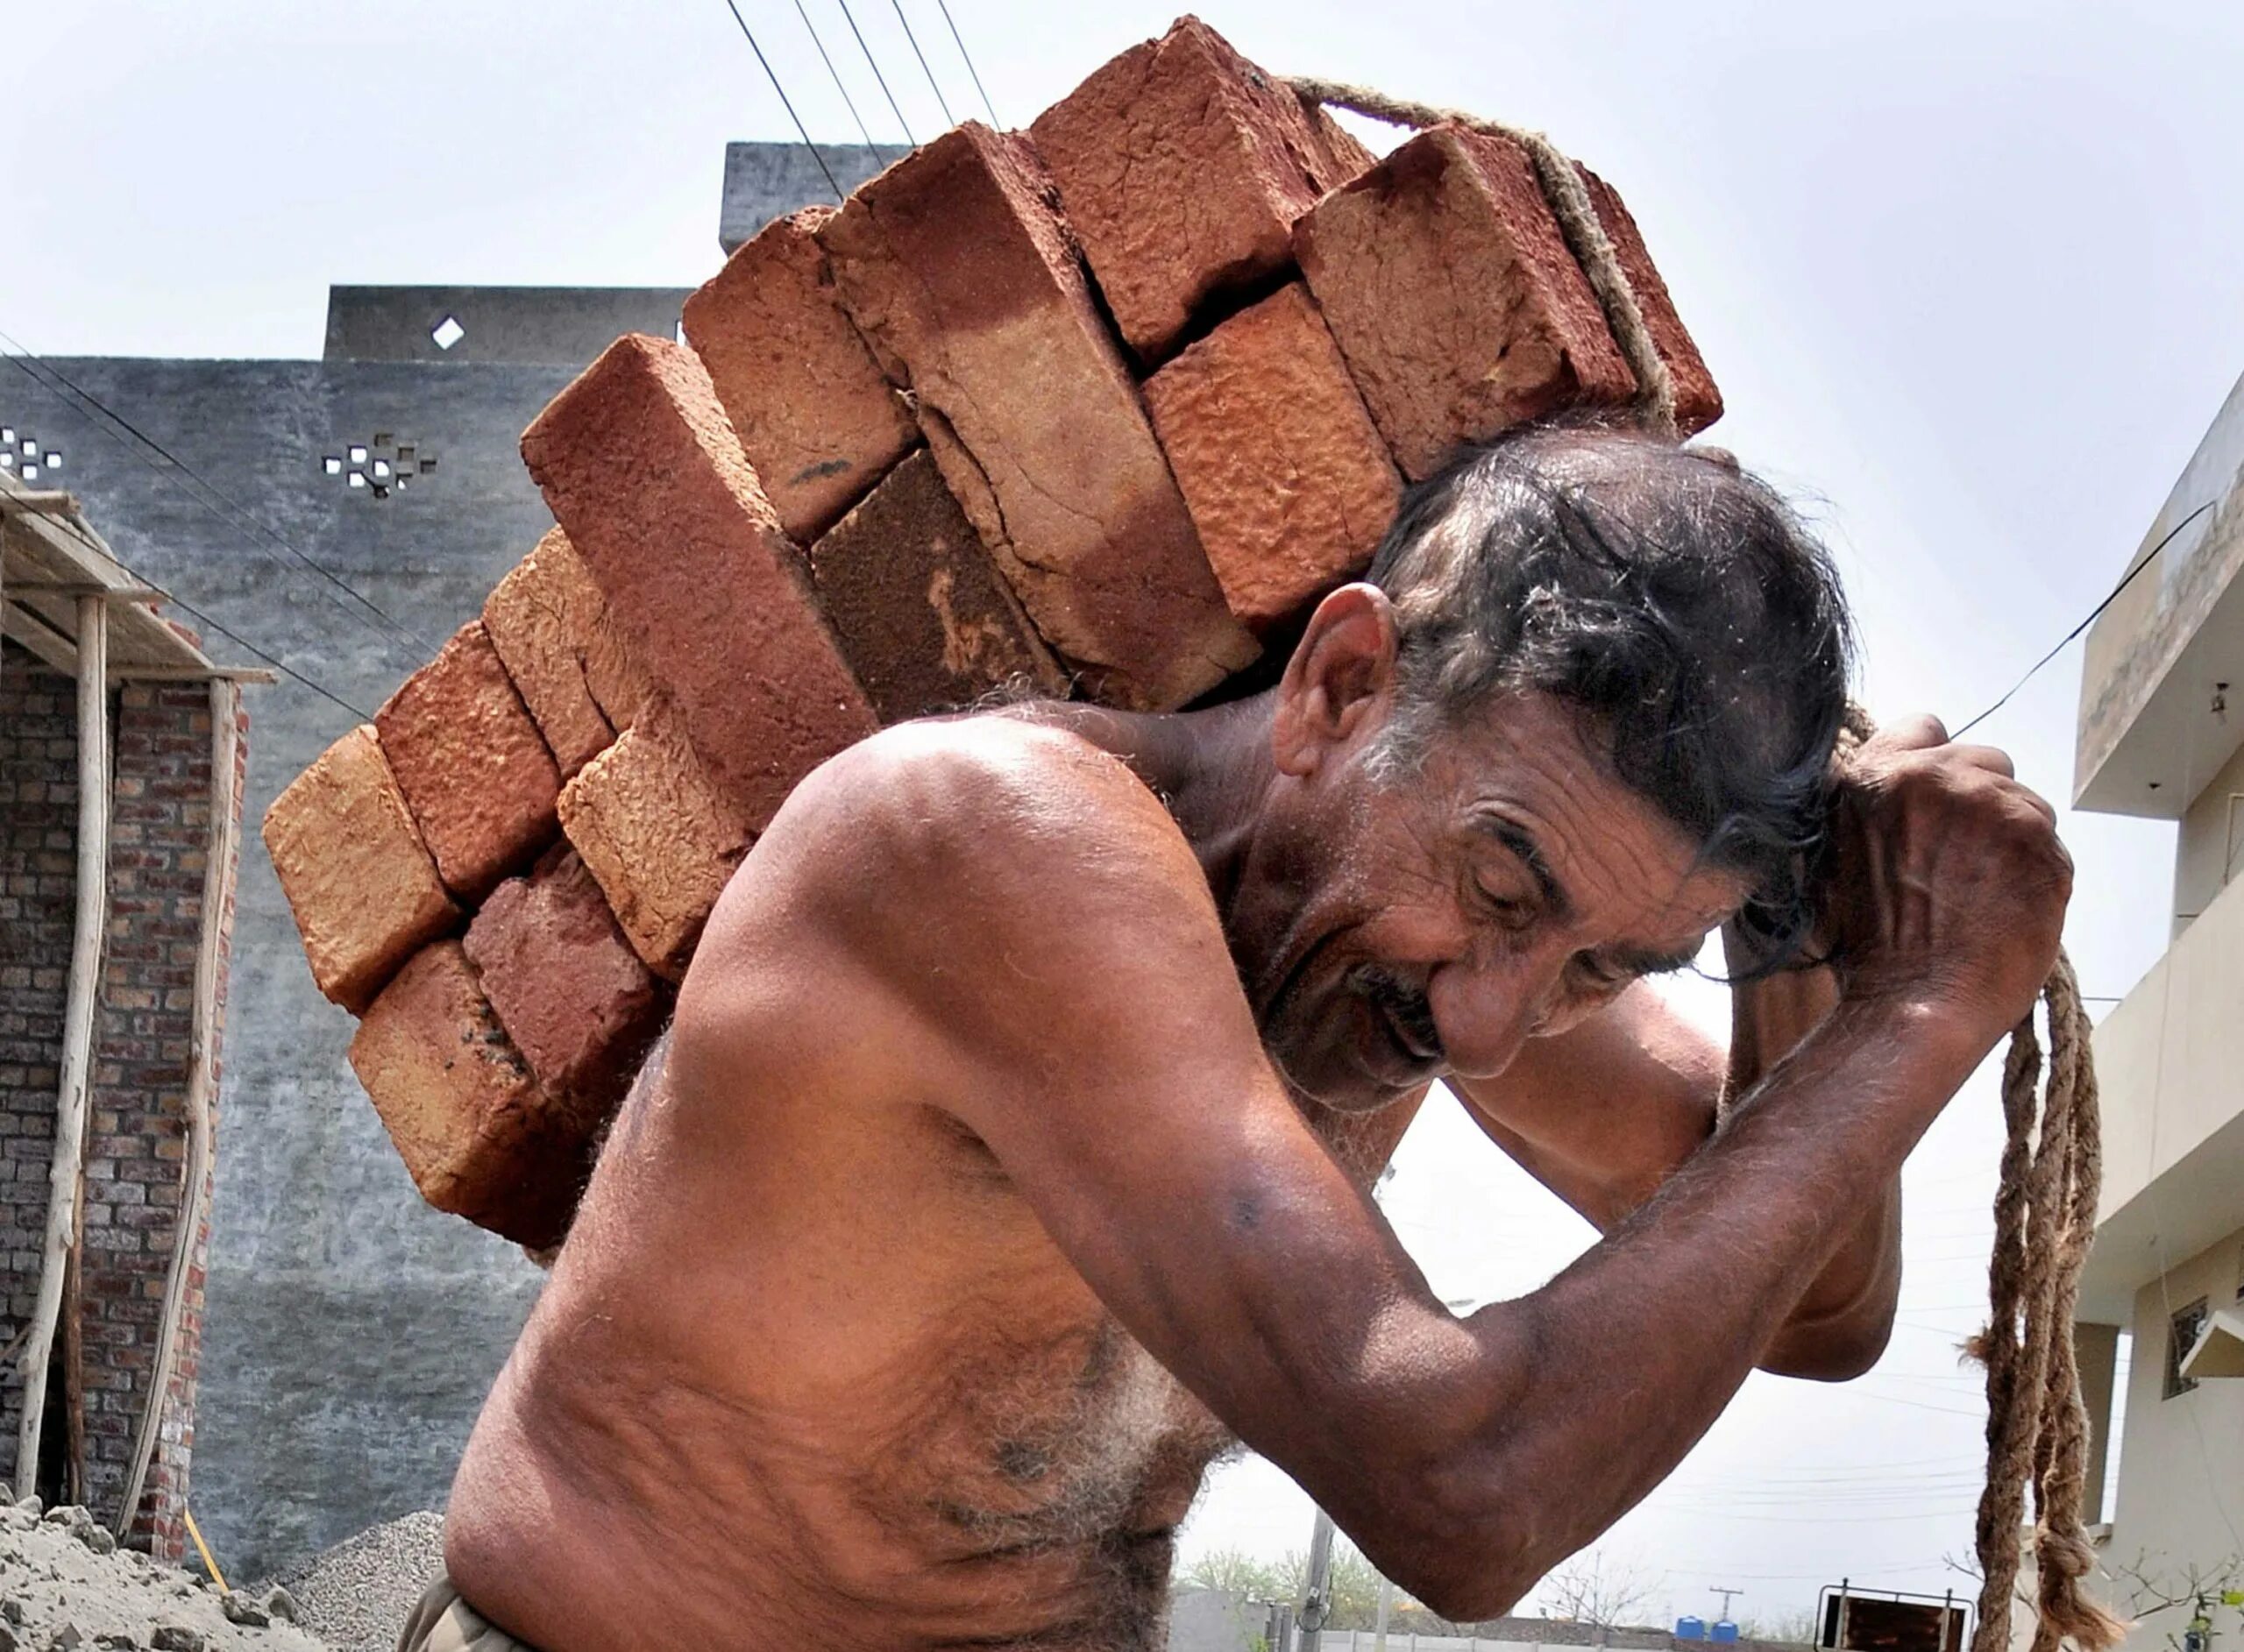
(1402, 1002)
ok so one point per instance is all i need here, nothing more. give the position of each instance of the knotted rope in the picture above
(1584, 232)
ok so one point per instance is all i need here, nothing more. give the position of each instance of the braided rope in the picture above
(1579, 223)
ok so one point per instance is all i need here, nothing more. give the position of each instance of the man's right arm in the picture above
(1056, 977)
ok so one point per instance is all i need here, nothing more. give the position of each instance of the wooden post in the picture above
(70, 1110)
(221, 859)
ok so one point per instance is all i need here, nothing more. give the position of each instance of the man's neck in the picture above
(1210, 768)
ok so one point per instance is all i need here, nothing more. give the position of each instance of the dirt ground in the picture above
(65, 1585)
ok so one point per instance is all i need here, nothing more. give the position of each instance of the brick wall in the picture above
(144, 1031)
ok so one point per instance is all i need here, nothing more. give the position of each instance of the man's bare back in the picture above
(1009, 1153)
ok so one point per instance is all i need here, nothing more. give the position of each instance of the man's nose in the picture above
(1487, 1008)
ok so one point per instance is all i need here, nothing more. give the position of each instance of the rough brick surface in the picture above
(1182, 167)
(1442, 360)
(540, 619)
(817, 417)
(658, 834)
(640, 467)
(953, 262)
(920, 611)
(567, 986)
(471, 762)
(461, 1107)
(1698, 403)
(360, 880)
(1288, 481)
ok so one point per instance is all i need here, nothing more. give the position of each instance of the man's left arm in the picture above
(1603, 1113)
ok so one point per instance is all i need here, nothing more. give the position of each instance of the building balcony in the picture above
(2168, 652)
(2170, 1063)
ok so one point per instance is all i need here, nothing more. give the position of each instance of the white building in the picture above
(2162, 734)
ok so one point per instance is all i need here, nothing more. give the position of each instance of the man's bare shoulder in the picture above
(966, 840)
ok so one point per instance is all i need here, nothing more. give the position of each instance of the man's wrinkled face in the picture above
(1503, 888)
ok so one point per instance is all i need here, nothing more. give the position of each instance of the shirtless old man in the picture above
(1008, 1158)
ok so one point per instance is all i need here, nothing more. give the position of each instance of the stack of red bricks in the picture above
(1101, 408)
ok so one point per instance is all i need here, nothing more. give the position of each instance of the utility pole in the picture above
(1316, 1605)
(1727, 1596)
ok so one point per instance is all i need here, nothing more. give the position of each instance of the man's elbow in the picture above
(1467, 1552)
(1836, 1350)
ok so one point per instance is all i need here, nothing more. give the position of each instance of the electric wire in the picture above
(874, 64)
(203, 619)
(864, 131)
(941, 102)
(200, 488)
(972, 73)
(2034, 670)
(749, 35)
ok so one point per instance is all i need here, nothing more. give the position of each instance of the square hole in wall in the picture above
(381, 469)
(333, 464)
(2182, 1335)
(30, 447)
(54, 460)
(357, 454)
(31, 473)
(427, 465)
(357, 479)
(447, 332)
(7, 461)
(405, 456)
(383, 438)
(7, 434)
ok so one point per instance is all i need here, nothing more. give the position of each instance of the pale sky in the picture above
(1968, 276)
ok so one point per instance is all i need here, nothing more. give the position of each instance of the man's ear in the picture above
(1341, 677)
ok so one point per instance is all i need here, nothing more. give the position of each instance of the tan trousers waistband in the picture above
(445, 1622)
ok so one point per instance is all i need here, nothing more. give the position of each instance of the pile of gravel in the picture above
(359, 1593)
(65, 1585)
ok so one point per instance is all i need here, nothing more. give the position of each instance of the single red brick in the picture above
(1698, 403)
(1182, 167)
(358, 877)
(1290, 484)
(953, 262)
(925, 620)
(565, 984)
(471, 762)
(658, 834)
(459, 1102)
(1453, 296)
(817, 418)
(540, 619)
(640, 467)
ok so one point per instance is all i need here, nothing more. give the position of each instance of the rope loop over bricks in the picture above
(2037, 1424)
(1578, 223)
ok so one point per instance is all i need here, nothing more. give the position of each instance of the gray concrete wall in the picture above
(350, 1331)
(764, 181)
(563, 326)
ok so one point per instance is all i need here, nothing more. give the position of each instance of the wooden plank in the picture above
(83, 989)
(30, 631)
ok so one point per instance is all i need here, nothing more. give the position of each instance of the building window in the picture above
(2182, 1335)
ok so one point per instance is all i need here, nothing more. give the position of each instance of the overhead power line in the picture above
(874, 63)
(941, 102)
(862, 131)
(971, 71)
(2034, 670)
(750, 34)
